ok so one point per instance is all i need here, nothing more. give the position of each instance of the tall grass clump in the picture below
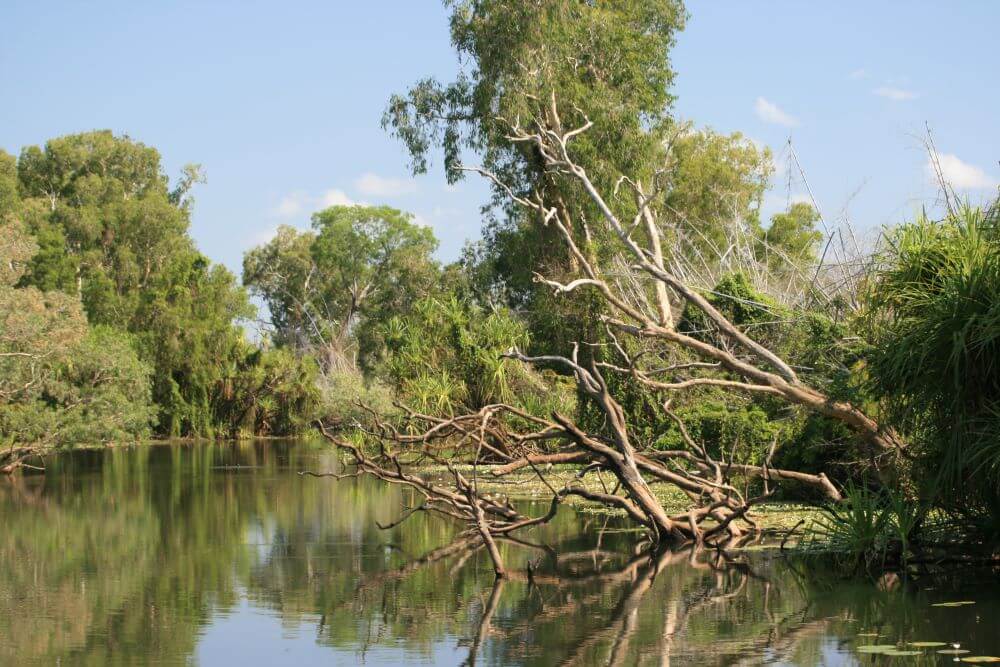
(933, 319)
(874, 527)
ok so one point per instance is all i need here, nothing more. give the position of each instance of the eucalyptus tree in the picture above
(611, 61)
(792, 235)
(61, 381)
(112, 232)
(328, 288)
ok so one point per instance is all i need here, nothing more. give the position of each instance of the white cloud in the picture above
(336, 197)
(961, 175)
(290, 205)
(261, 237)
(860, 73)
(374, 185)
(297, 203)
(894, 94)
(769, 112)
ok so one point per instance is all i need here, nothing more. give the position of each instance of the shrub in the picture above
(933, 318)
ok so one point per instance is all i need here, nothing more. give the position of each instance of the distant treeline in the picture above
(114, 325)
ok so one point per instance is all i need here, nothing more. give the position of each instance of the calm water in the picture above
(217, 554)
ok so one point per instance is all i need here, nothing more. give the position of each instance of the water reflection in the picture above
(222, 554)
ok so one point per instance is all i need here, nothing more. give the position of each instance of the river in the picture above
(222, 554)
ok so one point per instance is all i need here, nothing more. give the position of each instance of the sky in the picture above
(280, 102)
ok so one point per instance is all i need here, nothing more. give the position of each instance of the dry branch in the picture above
(509, 439)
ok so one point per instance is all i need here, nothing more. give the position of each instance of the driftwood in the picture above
(640, 297)
(14, 458)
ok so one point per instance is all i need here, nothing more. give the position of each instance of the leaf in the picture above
(875, 648)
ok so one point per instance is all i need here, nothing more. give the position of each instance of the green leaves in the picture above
(62, 382)
(112, 234)
(358, 267)
(933, 317)
(792, 239)
(446, 356)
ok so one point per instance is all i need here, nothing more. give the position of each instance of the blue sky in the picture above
(280, 102)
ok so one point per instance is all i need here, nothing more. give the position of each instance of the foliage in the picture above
(9, 199)
(933, 318)
(607, 60)
(446, 357)
(792, 237)
(741, 430)
(270, 391)
(111, 232)
(357, 267)
(861, 527)
(716, 182)
(343, 392)
(62, 382)
(750, 426)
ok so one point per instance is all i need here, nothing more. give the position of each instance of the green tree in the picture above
(715, 187)
(551, 64)
(446, 356)
(792, 238)
(536, 63)
(331, 286)
(61, 382)
(9, 199)
(932, 316)
(112, 231)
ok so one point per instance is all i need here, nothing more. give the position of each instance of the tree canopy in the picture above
(61, 381)
(111, 233)
(359, 265)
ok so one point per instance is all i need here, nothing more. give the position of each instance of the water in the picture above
(218, 554)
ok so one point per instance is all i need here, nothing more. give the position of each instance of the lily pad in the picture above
(927, 644)
(960, 603)
(898, 652)
(867, 634)
(875, 648)
(953, 651)
(981, 659)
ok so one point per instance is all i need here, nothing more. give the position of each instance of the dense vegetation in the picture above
(115, 327)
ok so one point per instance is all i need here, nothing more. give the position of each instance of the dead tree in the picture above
(641, 296)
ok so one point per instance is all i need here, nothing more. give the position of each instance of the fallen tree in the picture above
(642, 295)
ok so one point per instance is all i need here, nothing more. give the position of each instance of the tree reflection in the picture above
(129, 556)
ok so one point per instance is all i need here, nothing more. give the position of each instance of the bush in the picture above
(446, 357)
(343, 388)
(932, 315)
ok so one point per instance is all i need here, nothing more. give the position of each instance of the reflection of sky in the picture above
(249, 635)
(832, 654)
(258, 536)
